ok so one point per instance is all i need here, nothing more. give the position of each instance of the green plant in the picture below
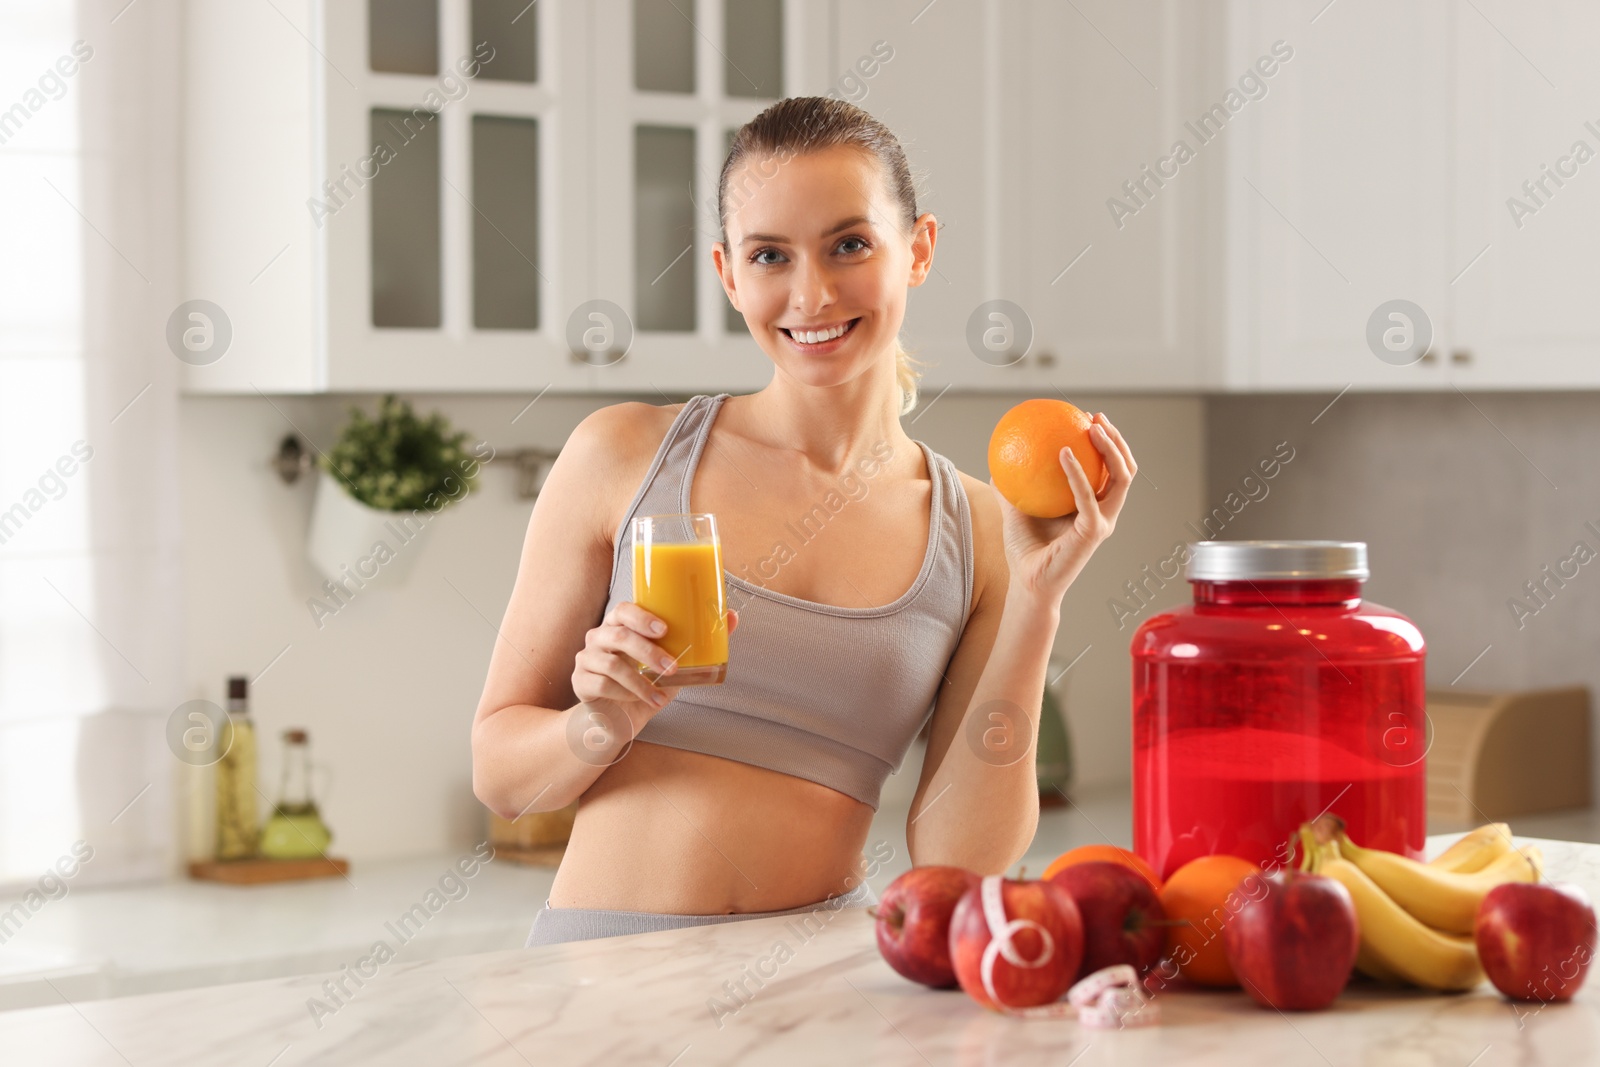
(400, 462)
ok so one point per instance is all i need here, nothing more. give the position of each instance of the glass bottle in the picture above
(237, 813)
(295, 829)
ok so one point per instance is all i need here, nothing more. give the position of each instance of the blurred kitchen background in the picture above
(226, 224)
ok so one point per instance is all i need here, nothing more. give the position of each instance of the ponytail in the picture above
(906, 377)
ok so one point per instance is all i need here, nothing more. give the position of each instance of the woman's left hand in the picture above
(1045, 555)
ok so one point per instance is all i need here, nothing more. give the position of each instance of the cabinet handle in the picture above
(1461, 355)
(1046, 359)
(1430, 356)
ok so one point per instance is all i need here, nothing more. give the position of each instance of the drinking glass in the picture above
(678, 577)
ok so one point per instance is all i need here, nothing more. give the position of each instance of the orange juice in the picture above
(682, 585)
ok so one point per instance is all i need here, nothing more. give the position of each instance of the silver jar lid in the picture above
(1226, 561)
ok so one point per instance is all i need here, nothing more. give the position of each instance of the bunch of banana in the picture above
(1416, 918)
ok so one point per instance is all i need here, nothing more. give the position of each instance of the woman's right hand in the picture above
(607, 669)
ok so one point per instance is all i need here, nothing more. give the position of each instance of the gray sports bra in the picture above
(829, 694)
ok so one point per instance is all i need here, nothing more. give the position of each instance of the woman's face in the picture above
(818, 263)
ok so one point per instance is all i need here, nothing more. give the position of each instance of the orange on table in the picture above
(1198, 892)
(1107, 853)
(1025, 456)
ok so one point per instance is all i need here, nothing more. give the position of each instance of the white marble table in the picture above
(114, 941)
(648, 1000)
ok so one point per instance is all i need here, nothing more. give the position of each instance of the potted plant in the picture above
(381, 485)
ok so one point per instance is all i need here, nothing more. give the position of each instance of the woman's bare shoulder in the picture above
(616, 434)
(614, 446)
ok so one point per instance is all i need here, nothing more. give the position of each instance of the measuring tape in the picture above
(1110, 998)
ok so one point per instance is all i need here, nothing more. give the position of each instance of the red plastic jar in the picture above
(1277, 695)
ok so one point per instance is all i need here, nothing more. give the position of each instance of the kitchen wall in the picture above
(1462, 501)
(387, 685)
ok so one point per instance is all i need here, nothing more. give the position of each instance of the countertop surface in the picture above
(127, 940)
(818, 995)
(104, 942)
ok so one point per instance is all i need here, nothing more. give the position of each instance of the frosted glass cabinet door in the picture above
(511, 28)
(663, 46)
(405, 220)
(753, 48)
(403, 36)
(664, 237)
(505, 231)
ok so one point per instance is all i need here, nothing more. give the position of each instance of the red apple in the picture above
(1122, 916)
(1036, 936)
(914, 922)
(1536, 941)
(1293, 943)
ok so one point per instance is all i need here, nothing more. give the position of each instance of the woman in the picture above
(871, 581)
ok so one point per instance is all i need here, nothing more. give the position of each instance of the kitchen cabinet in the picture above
(1527, 93)
(372, 190)
(368, 216)
(483, 195)
(475, 194)
(1379, 168)
(1112, 275)
(1340, 182)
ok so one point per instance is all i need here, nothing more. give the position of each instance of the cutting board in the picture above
(261, 872)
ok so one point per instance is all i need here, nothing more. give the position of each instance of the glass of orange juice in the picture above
(677, 576)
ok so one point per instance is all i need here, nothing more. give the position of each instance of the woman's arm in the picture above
(977, 802)
(523, 757)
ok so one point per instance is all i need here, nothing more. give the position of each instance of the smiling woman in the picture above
(839, 140)
(928, 598)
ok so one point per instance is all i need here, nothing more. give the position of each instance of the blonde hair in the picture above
(803, 124)
(906, 376)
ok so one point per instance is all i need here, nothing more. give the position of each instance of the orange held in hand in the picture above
(1106, 853)
(1025, 456)
(1201, 898)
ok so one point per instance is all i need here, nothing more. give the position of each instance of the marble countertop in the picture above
(666, 999)
(117, 941)
(127, 940)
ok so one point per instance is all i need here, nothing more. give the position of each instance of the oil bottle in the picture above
(238, 818)
(295, 829)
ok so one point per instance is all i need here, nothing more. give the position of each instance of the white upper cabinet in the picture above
(1527, 197)
(1338, 192)
(1387, 164)
(249, 161)
(486, 195)
(1112, 179)
(372, 190)
(450, 268)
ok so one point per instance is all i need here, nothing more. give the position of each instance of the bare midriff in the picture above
(671, 831)
(675, 832)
